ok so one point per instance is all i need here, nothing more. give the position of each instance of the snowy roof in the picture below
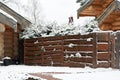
(6, 20)
(17, 17)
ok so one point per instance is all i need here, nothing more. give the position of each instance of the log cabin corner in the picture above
(10, 30)
(107, 13)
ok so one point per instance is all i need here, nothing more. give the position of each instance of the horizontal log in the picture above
(116, 23)
(32, 54)
(82, 59)
(103, 47)
(51, 43)
(53, 48)
(33, 62)
(30, 40)
(52, 52)
(52, 61)
(78, 42)
(81, 53)
(103, 56)
(53, 38)
(29, 45)
(73, 64)
(33, 58)
(103, 37)
(32, 49)
(78, 48)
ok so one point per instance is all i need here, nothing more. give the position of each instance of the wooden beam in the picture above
(24, 22)
(106, 13)
(92, 11)
(84, 7)
(8, 21)
(114, 28)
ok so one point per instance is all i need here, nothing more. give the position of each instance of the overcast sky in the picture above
(55, 10)
(59, 10)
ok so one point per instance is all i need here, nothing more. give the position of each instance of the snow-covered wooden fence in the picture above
(92, 50)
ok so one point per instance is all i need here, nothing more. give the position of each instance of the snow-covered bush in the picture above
(54, 29)
(31, 32)
(91, 26)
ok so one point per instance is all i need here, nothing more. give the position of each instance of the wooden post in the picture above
(94, 50)
(113, 51)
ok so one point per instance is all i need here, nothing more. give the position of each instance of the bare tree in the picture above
(35, 10)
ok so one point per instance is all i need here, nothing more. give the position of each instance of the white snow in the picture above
(78, 54)
(89, 39)
(6, 58)
(36, 42)
(71, 45)
(20, 72)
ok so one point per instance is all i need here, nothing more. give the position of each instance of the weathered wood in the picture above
(95, 50)
(103, 56)
(59, 51)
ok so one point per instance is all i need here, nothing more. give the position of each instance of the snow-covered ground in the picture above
(20, 72)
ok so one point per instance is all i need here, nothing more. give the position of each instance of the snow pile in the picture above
(6, 58)
(21, 73)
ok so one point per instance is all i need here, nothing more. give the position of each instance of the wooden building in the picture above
(9, 31)
(107, 13)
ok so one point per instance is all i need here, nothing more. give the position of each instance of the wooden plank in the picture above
(103, 37)
(73, 64)
(113, 58)
(103, 47)
(78, 36)
(78, 42)
(53, 48)
(78, 48)
(29, 44)
(51, 43)
(95, 50)
(32, 49)
(33, 62)
(116, 23)
(33, 57)
(103, 56)
(81, 53)
(32, 54)
(53, 38)
(30, 40)
(52, 52)
(82, 59)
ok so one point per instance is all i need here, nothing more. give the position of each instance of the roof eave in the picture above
(84, 7)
